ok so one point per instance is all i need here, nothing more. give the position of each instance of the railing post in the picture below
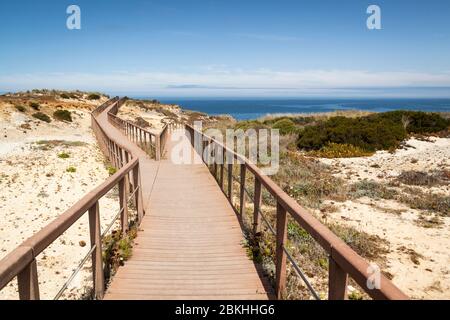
(28, 282)
(221, 169)
(230, 181)
(337, 281)
(123, 199)
(121, 157)
(280, 277)
(242, 195)
(158, 147)
(111, 157)
(257, 207)
(97, 261)
(138, 194)
(215, 161)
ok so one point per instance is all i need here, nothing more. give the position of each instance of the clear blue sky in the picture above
(227, 47)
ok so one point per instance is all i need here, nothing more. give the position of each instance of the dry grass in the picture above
(318, 116)
(336, 150)
(420, 178)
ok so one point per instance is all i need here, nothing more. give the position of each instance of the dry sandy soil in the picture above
(35, 189)
(419, 257)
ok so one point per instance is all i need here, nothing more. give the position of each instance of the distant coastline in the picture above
(245, 109)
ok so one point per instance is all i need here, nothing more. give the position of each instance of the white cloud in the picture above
(212, 79)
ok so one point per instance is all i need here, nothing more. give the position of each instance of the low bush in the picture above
(286, 126)
(71, 169)
(63, 155)
(63, 115)
(42, 116)
(35, 106)
(94, 96)
(111, 170)
(21, 108)
(382, 131)
(371, 189)
(336, 150)
(64, 96)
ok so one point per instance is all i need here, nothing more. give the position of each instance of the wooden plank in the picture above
(190, 244)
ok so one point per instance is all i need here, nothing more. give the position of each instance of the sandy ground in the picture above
(155, 119)
(35, 189)
(419, 257)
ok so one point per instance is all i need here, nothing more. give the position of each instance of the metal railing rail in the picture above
(21, 262)
(343, 261)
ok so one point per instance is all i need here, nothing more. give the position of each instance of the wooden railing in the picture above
(22, 261)
(150, 142)
(343, 261)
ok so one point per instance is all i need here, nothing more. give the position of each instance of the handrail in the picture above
(154, 144)
(21, 262)
(343, 261)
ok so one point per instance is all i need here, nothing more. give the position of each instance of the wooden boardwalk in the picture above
(190, 243)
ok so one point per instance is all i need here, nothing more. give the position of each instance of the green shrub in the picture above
(71, 169)
(35, 106)
(63, 155)
(21, 108)
(382, 131)
(336, 150)
(111, 170)
(93, 96)
(65, 96)
(286, 126)
(42, 116)
(63, 115)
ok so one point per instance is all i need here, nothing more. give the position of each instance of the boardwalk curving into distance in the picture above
(190, 243)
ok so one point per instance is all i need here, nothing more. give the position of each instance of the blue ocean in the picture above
(244, 109)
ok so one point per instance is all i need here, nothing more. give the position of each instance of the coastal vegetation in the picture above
(383, 131)
(42, 116)
(21, 108)
(348, 135)
(63, 115)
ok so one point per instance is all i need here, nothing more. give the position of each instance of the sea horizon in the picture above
(254, 108)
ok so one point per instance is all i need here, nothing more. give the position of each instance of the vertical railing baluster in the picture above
(121, 157)
(97, 260)
(230, 181)
(337, 281)
(158, 147)
(242, 193)
(28, 283)
(221, 169)
(280, 276)
(215, 147)
(138, 194)
(123, 201)
(257, 207)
